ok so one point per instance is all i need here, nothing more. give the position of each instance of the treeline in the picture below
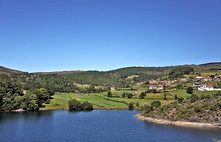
(67, 82)
(98, 81)
(77, 105)
(180, 71)
(12, 97)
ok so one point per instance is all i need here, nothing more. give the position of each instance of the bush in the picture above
(198, 109)
(193, 98)
(130, 95)
(124, 95)
(189, 90)
(147, 108)
(142, 95)
(87, 106)
(213, 108)
(155, 104)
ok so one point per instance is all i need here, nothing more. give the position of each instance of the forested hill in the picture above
(211, 65)
(70, 81)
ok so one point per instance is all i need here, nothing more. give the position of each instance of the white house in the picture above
(197, 85)
(209, 87)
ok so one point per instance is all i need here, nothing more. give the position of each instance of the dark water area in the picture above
(94, 126)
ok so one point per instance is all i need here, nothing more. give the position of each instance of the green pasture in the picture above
(59, 101)
(101, 101)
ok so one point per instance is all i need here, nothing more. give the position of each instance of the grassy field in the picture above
(59, 101)
(101, 101)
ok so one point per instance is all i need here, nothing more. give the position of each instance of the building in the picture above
(209, 87)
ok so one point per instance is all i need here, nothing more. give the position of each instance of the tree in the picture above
(175, 97)
(74, 104)
(154, 91)
(10, 94)
(131, 106)
(189, 90)
(87, 106)
(109, 94)
(130, 95)
(165, 96)
(142, 95)
(124, 95)
(137, 104)
(155, 104)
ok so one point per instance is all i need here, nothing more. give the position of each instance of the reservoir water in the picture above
(93, 126)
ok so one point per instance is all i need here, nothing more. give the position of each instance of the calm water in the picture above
(94, 126)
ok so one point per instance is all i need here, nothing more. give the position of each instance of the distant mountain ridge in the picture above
(164, 69)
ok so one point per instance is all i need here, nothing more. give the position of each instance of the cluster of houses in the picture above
(203, 83)
(208, 78)
(206, 86)
(159, 85)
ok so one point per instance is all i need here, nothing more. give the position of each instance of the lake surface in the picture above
(93, 126)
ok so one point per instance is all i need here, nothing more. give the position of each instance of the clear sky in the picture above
(55, 35)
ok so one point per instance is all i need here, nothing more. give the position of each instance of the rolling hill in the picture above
(4, 70)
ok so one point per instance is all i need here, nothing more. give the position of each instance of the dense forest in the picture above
(12, 97)
(97, 81)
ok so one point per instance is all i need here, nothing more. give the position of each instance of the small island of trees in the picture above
(77, 105)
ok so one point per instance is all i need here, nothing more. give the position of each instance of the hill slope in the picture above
(4, 70)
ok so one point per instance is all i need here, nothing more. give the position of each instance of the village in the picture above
(202, 83)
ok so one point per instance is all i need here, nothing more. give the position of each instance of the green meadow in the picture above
(101, 101)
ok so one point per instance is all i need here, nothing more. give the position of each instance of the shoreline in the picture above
(177, 123)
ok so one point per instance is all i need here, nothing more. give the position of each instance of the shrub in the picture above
(189, 90)
(109, 94)
(155, 104)
(198, 109)
(193, 98)
(213, 108)
(130, 95)
(137, 104)
(142, 95)
(180, 100)
(147, 108)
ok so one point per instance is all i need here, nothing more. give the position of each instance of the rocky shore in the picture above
(177, 123)
(18, 110)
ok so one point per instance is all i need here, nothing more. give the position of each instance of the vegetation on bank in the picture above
(196, 108)
(77, 105)
(12, 97)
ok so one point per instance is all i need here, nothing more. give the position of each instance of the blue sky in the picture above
(55, 35)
